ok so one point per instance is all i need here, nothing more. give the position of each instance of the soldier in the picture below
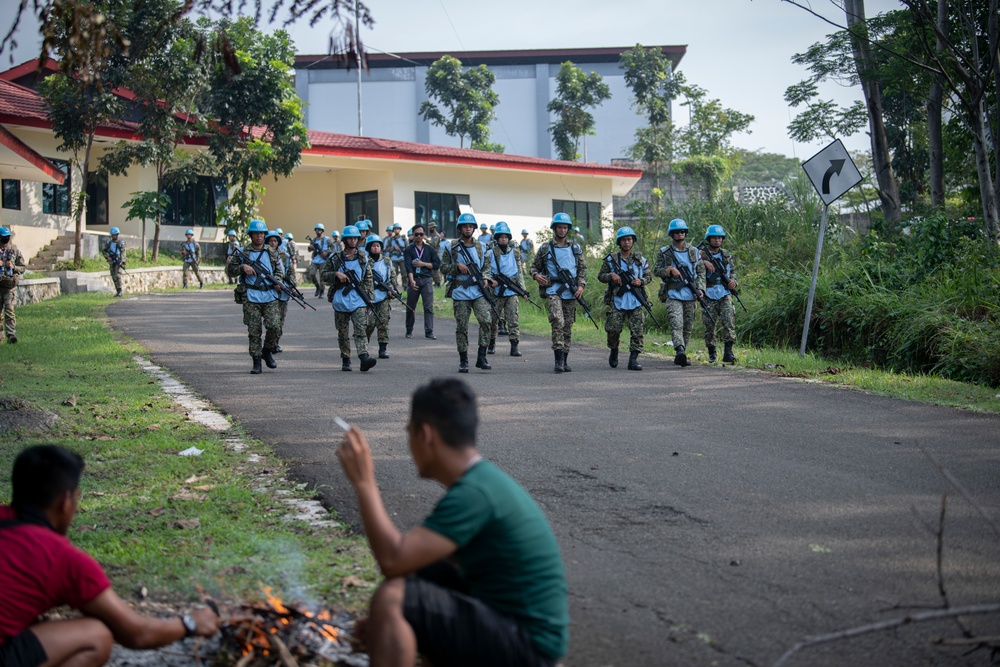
(622, 307)
(350, 302)
(292, 250)
(560, 253)
(258, 266)
(485, 236)
(466, 292)
(320, 247)
(679, 297)
(335, 244)
(273, 239)
(720, 282)
(114, 252)
(394, 247)
(527, 248)
(191, 252)
(434, 239)
(12, 267)
(232, 246)
(381, 267)
(505, 259)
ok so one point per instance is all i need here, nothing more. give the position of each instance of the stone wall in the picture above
(36, 290)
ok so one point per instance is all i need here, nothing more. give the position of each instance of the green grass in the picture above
(129, 433)
(165, 258)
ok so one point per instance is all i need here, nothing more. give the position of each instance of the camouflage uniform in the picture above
(562, 311)
(191, 251)
(9, 278)
(527, 248)
(232, 247)
(382, 308)
(720, 310)
(288, 268)
(257, 314)
(463, 309)
(615, 319)
(393, 247)
(508, 306)
(434, 238)
(679, 312)
(357, 318)
(114, 252)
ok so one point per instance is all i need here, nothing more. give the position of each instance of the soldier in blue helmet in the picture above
(273, 239)
(624, 306)
(12, 267)
(680, 297)
(395, 244)
(350, 302)
(321, 247)
(720, 280)
(560, 253)
(258, 267)
(381, 268)
(292, 249)
(114, 251)
(485, 235)
(505, 259)
(232, 245)
(466, 292)
(527, 248)
(191, 253)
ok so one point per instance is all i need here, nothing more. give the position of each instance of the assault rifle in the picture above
(720, 271)
(514, 287)
(117, 262)
(687, 280)
(389, 289)
(627, 276)
(564, 277)
(477, 274)
(266, 275)
(355, 283)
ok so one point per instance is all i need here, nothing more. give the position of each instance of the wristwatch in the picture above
(190, 626)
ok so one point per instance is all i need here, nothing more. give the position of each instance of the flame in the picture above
(275, 602)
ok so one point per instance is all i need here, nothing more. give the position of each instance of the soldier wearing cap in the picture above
(257, 266)
(12, 267)
(720, 284)
(191, 252)
(114, 252)
(623, 305)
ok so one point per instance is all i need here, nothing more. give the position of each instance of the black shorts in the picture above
(454, 629)
(24, 650)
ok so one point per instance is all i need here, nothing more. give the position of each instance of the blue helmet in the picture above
(623, 232)
(500, 228)
(115, 230)
(524, 231)
(715, 230)
(351, 232)
(188, 232)
(397, 226)
(272, 234)
(363, 225)
(289, 236)
(466, 219)
(320, 227)
(560, 219)
(257, 226)
(372, 238)
(4, 231)
(231, 232)
(335, 234)
(677, 225)
(483, 227)
(279, 230)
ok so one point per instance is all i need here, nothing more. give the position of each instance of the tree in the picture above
(710, 125)
(465, 101)
(650, 77)
(256, 116)
(146, 206)
(576, 91)
(822, 119)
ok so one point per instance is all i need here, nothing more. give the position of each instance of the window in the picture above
(362, 205)
(441, 209)
(55, 198)
(195, 204)
(585, 214)
(97, 200)
(12, 194)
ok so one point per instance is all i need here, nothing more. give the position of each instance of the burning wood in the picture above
(273, 633)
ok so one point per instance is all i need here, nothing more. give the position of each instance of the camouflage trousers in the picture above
(615, 321)
(681, 316)
(510, 308)
(720, 312)
(398, 275)
(562, 315)
(283, 310)
(383, 310)
(436, 277)
(312, 275)
(266, 314)
(188, 268)
(8, 299)
(462, 310)
(359, 319)
(116, 276)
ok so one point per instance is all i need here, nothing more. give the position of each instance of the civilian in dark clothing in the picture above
(420, 260)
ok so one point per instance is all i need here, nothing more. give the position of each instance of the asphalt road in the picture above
(706, 516)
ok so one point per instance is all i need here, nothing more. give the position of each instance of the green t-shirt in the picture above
(507, 553)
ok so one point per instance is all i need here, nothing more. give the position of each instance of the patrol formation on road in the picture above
(360, 273)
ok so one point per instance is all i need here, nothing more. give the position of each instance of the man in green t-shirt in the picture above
(481, 581)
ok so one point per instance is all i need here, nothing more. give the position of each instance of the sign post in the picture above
(832, 173)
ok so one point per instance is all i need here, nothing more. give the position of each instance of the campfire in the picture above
(272, 633)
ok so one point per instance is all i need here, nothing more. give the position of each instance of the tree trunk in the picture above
(81, 202)
(994, 42)
(156, 236)
(986, 188)
(935, 139)
(888, 186)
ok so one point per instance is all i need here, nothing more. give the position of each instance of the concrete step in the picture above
(75, 282)
(61, 248)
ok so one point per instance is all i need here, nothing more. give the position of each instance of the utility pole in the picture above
(357, 54)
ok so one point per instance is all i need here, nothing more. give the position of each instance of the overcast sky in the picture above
(739, 50)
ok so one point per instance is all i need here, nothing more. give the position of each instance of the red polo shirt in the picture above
(40, 569)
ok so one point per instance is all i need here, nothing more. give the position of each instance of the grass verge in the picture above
(152, 518)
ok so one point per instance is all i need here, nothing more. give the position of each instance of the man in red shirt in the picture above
(40, 569)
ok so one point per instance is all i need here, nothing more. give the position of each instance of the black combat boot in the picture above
(633, 361)
(492, 347)
(481, 361)
(727, 354)
(680, 359)
(345, 363)
(613, 358)
(566, 368)
(502, 328)
(560, 365)
(382, 354)
(256, 370)
(463, 362)
(277, 349)
(268, 359)
(367, 363)
(712, 354)
(514, 352)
